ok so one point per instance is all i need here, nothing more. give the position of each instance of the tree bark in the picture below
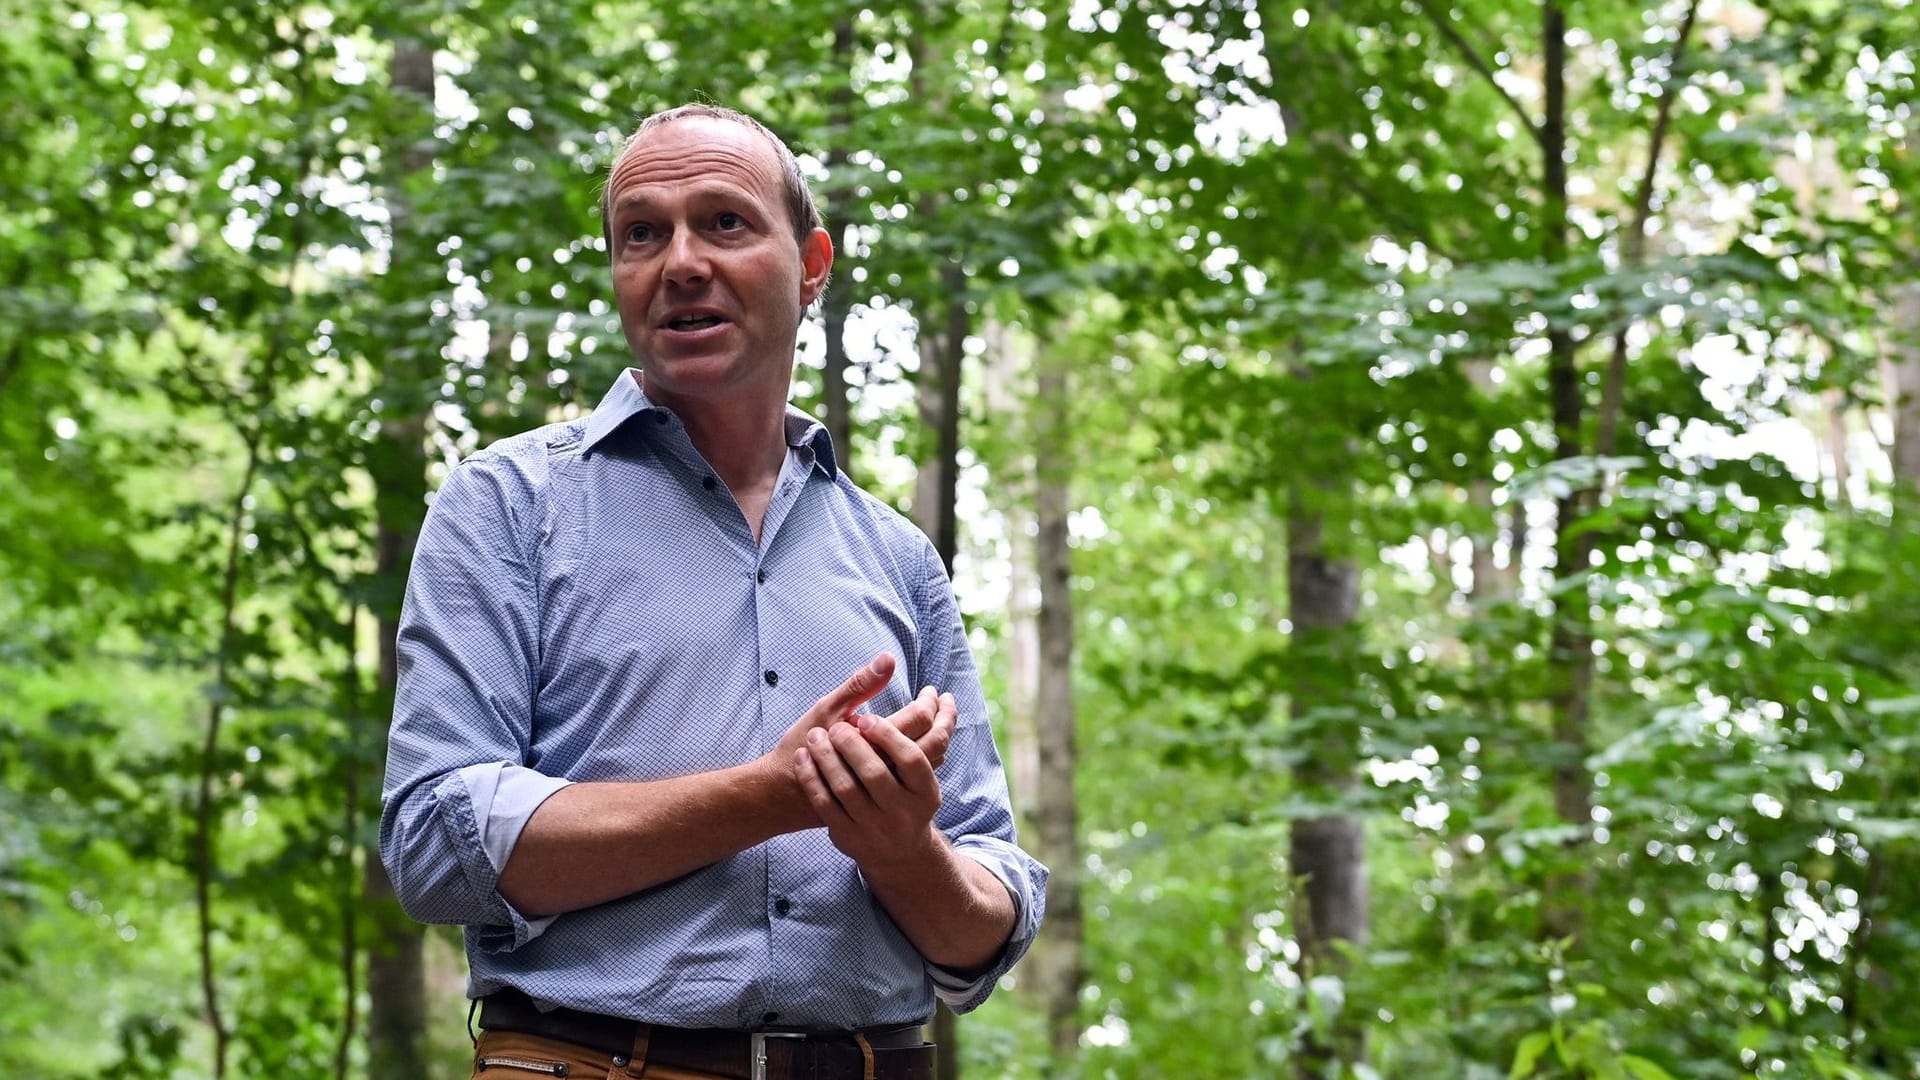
(1904, 394)
(350, 786)
(1326, 852)
(1570, 647)
(1833, 422)
(1879, 1003)
(1058, 963)
(937, 395)
(837, 305)
(396, 980)
(1003, 374)
(1491, 582)
(942, 357)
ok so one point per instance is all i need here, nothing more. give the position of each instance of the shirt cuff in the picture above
(503, 797)
(1028, 892)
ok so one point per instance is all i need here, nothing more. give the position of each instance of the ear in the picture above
(816, 265)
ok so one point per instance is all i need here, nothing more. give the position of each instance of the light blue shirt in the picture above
(588, 603)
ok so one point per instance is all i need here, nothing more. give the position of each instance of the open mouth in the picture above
(694, 322)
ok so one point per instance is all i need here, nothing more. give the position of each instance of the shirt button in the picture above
(781, 906)
(659, 417)
(762, 576)
(773, 678)
(768, 1018)
(708, 483)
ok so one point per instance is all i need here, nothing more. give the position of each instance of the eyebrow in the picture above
(705, 190)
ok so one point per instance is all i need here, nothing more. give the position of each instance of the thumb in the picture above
(859, 688)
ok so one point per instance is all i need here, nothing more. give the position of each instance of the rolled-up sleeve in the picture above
(456, 791)
(975, 813)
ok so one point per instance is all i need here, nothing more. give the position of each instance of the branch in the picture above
(349, 896)
(1634, 244)
(209, 756)
(205, 819)
(1478, 63)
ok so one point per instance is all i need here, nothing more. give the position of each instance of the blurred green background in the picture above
(1432, 487)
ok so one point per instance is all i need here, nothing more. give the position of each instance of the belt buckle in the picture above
(757, 1050)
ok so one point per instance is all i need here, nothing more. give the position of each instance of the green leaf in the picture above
(1527, 1054)
(1641, 1069)
(1903, 706)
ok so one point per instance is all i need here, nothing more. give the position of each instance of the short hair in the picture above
(802, 212)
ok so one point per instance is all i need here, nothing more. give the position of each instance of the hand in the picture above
(874, 788)
(928, 720)
(836, 706)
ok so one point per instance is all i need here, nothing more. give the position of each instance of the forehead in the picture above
(693, 151)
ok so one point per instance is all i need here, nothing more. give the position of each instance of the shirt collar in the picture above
(627, 399)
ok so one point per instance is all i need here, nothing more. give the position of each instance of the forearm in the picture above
(955, 911)
(594, 842)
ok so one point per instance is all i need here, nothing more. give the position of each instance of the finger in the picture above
(903, 757)
(916, 718)
(840, 780)
(869, 766)
(939, 736)
(859, 689)
(825, 807)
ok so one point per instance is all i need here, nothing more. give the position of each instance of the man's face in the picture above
(706, 273)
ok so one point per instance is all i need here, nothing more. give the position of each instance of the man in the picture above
(655, 742)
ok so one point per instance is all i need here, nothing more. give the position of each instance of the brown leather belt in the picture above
(898, 1052)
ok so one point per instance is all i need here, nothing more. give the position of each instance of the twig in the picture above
(1479, 64)
(1634, 244)
(349, 896)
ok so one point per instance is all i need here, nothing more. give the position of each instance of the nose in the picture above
(686, 262)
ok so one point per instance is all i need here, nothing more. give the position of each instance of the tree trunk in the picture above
(350, 787)
(1833, 423)
(1326, 852)
(1570, 649)
(1904, 366)
(1021, 646)
(942, 355)
(1879, 1005)
(937, 395)
(1491, 583)
(837, 304)
(396, 980)
(1058, 966)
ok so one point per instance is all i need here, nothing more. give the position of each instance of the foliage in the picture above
(243, 277)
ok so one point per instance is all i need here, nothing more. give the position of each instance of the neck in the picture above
(746, 449)
(746, 443)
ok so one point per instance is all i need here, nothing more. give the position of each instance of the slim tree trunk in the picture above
(350, 785)
(396, 980)
(1491, 583)
(1003, 373)
(1326, 852)
(1833, 423)
(1879, 1005)
(938, 398)
(838, 302)
(1058, 965)
(942, 357)
(1570, 649)
(1904, 366)
(206, 809)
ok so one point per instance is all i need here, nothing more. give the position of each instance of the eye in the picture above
(639, 234)
(727, 221)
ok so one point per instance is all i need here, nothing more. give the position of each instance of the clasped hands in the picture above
(870, 779)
